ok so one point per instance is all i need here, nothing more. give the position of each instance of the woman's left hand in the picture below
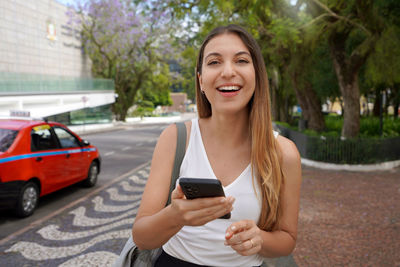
(244, 237)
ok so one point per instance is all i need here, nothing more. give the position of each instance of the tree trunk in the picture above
(351, 118)
(348, 84)
(274, 103)
(347, 68)
(309, 103)
(396, 100)
(377, 102)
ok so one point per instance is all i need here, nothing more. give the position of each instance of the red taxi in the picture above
(39, 157)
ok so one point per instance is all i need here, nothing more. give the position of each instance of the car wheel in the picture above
(91, 179)
(27, 200)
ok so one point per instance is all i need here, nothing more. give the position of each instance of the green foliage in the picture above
(384, 64)
(296, 38)
(145, 108)
(186, 80)
(369, 127)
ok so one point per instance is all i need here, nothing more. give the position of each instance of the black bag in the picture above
(130, 255)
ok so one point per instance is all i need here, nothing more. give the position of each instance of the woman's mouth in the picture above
(229, 89)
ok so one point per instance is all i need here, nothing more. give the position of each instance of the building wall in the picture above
(29, 45)
(179, 101)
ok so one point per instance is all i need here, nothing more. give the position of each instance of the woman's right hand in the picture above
(196, 212)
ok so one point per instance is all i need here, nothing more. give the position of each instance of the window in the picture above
(42, 139)
(7, 138)
(66, 138)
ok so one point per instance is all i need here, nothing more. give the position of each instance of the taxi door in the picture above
(45, 157)
(75, 161)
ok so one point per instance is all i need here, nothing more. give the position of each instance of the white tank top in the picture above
(204, 245)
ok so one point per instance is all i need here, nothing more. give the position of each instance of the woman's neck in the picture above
(228, 129)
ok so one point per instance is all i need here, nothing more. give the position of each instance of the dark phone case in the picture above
(201, 187)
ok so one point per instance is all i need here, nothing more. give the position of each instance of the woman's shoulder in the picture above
(289, 153)
(169, 134)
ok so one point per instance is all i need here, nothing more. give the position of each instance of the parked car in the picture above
(39, 157)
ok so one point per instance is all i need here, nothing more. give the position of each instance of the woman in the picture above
(232, 141)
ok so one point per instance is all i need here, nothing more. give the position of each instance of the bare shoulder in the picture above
(168, 134)
(290, 154)
(290, 157)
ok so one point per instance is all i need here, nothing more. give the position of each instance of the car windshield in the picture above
(7, 137)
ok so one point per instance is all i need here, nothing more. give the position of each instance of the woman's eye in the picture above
(213, 62)
(243, 61)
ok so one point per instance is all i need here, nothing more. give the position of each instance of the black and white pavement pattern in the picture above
(90, 234)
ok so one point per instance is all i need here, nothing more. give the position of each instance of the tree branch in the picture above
(333, 14)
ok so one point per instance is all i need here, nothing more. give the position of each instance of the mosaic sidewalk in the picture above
(90, 234)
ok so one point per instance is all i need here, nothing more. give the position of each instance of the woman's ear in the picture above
(199, 77)
(200, 80)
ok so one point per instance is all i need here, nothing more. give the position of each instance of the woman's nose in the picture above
(228, 70)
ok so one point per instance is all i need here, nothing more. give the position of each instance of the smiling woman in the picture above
(227, 74)
(232, 141)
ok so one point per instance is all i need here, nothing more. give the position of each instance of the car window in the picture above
(66, 138)
(7, 137)
(42, 138)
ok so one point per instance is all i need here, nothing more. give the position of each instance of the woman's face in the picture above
(228, 75)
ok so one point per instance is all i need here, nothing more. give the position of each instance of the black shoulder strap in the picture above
(179, 154)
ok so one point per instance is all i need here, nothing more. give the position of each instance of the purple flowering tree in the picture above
(127, 41)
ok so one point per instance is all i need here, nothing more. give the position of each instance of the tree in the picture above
(352, 28)
(126, 41)
(382, 71)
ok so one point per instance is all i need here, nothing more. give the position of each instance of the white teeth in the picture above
(229, 88)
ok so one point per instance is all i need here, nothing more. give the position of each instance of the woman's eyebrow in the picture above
(213, 54)
(243, 53)
(219, 55)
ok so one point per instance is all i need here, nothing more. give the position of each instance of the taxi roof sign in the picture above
(20, 113)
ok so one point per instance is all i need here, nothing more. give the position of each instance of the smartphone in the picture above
(202, 187)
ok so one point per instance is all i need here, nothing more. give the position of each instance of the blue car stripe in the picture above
(45, 154)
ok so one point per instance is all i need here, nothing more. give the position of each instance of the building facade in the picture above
(44, 71)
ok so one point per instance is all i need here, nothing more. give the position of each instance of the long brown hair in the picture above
(265, 153)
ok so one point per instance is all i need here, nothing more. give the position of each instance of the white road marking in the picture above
(109, 153)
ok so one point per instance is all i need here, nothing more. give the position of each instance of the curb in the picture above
(131, 122)
(384, 166)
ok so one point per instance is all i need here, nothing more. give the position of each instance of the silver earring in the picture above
(202, 92)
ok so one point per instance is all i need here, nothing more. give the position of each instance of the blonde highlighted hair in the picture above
(265, 152)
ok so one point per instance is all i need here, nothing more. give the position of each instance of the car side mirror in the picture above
(85, 143)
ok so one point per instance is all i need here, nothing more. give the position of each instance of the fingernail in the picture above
(233, 228)
(223, 200)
